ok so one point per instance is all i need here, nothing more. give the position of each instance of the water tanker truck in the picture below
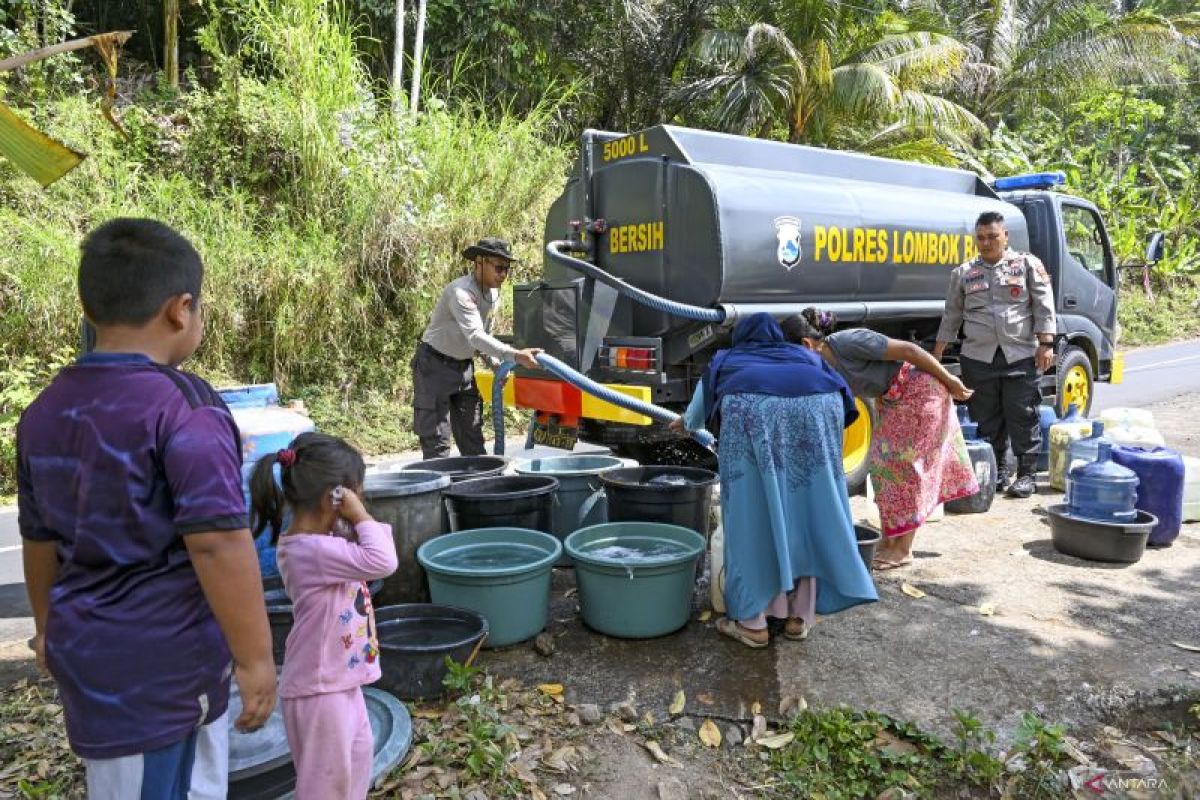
(663, 239)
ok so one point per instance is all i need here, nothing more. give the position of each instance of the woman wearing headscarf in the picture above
(918, 457)
(790, 549)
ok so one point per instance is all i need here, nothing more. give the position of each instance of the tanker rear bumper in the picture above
(552, 396)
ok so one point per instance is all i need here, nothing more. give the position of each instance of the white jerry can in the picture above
(716, 565)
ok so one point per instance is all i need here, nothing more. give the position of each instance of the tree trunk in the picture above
(171, 42)
(398, 61)
(418, 54)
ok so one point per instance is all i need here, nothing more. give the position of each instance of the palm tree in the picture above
(821, 72)
(1026, 52)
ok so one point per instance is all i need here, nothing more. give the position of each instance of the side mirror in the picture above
(1154, 250)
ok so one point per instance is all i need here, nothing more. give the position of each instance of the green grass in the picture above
(1174, 313)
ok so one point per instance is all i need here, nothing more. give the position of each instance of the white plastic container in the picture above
(1127, 418)
(1135, 436)
(1191, 489)
(716, 566)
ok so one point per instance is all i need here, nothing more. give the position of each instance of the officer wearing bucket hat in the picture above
(445, 399)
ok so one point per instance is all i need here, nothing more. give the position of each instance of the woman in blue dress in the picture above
(790, 549)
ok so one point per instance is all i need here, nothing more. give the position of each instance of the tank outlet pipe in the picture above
(583, 383)
(586, 384)
(556, 251)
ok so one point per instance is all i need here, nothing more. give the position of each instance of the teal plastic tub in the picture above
(580, 500)
(635, 578)
(501, 573)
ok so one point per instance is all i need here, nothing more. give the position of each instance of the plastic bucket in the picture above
(280, 614)
(868, 542)
(416, 638)
(580, 500)
(501, 573)
(461, 468)
(510, 501)
(633, 498)
(635, 578)
(411, 502)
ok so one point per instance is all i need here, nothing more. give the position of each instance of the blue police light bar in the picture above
(1034, 180)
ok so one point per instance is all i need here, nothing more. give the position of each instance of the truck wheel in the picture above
(856, 447)
(1074, 381)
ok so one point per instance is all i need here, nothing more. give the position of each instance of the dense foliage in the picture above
(328, 224)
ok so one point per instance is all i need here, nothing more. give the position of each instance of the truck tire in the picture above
(1074, 381)
(856, 447)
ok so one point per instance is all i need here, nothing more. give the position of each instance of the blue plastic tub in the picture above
(501, 573)
(635, 578)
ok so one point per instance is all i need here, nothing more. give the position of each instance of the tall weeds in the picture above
(327, 229)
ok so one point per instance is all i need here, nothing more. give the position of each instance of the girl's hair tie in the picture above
(286, 457)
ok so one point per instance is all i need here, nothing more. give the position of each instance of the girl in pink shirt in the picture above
(330, 550)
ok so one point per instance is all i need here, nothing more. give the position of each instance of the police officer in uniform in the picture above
(1004, 303)
(445, 399)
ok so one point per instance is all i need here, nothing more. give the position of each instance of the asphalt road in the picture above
(1152, 375)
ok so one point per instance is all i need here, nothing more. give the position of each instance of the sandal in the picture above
(739, 633)
(796, 629)
(884, 564)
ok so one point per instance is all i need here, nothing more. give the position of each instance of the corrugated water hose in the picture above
(699, 313)
(585, 384)
(581, 381)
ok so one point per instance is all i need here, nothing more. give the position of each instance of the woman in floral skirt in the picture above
(918, 457)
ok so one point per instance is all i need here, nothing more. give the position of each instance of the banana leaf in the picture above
(33, 152)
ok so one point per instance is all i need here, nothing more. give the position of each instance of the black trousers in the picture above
(445, 402)
(1005, 406)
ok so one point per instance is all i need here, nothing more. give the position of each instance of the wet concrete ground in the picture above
(1083, 643)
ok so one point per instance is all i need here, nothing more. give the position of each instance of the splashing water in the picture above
(632, 550)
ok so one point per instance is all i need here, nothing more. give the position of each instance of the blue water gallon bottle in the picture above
(1102, 490)
(1084, 451)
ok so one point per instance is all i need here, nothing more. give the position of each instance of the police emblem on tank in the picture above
(787, 231)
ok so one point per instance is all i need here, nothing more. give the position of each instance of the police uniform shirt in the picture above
(462, 321)
(1003, 305)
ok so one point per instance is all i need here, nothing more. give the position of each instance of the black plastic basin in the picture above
(1117, 542)
(462, 468)
(510, 501)
(868, 543)
(415, 640)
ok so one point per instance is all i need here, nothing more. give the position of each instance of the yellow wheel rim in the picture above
(1076, 389)
(856, 445)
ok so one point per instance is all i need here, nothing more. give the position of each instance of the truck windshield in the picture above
(1085, 240)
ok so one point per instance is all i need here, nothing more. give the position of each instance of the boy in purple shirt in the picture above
(138, 562)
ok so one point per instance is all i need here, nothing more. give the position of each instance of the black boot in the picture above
(1024, 485)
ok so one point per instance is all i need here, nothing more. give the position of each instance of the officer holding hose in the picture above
(445, 399)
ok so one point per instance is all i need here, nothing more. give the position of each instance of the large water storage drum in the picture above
(265, 427)
(1160, 488)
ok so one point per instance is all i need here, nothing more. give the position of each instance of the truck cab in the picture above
(1067, 233)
